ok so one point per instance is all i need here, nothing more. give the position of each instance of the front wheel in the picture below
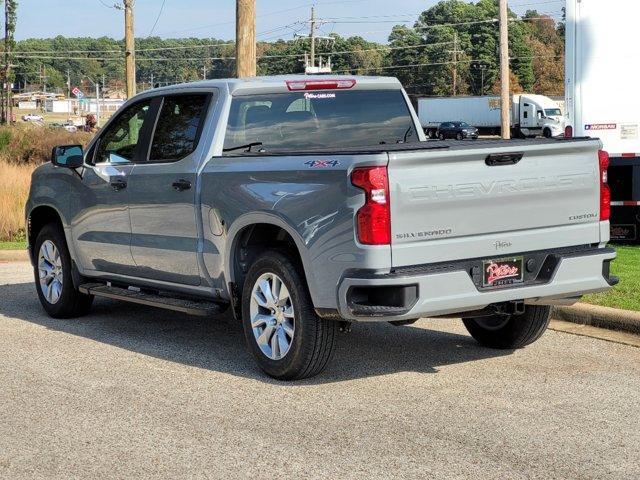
(52, 271)
(459, 136)
(441, 136)
(510, 331)
(287, 338)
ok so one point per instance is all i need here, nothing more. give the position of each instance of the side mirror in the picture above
(69, 156)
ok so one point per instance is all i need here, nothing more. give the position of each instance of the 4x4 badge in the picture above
(322, 163)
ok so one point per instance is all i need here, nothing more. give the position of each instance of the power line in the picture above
(416, 65)
(106, 4)
(158, 17)
(290, 55)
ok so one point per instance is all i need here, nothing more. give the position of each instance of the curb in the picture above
(596, 316)
(14, 256)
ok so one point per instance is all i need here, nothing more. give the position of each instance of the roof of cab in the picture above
(278, 83)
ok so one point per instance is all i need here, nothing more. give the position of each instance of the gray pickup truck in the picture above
(306, 203)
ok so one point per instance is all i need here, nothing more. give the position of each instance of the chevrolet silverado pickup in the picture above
(305, 203)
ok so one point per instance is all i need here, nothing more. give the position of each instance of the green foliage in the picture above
(625, 294)
(425, 69)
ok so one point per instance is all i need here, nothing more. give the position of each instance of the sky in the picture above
(216, 18)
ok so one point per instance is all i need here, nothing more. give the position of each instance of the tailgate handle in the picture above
(497, 159)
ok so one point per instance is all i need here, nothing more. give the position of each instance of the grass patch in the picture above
(626, 294)
(13, 245)
(14, 189)
(22, 148)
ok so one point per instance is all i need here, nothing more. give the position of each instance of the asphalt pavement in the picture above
(130, 391)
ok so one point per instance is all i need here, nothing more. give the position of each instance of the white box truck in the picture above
(602, 68)
(531, 115)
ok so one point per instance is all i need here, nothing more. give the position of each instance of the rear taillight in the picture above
(373, 220)
(605, 192)
(568, 131)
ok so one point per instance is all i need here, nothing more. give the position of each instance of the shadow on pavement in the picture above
(218, 344)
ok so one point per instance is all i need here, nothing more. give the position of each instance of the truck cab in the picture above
(537, 115)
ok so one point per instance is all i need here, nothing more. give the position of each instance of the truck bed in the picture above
(452, 145)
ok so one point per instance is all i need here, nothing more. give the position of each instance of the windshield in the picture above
(462, 124)
(316, 120)
(552, 112)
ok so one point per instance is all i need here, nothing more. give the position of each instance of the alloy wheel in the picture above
(50, 271)
(272, 316)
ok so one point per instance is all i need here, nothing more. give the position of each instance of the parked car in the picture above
(531, 115)
(287, 202)
(32, 117)
(457, 130)
(69, 126)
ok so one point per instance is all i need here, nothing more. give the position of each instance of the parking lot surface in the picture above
(130, 391)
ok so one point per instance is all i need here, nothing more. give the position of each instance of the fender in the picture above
(272, 219)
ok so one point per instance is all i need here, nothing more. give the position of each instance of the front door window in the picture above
(119, 142)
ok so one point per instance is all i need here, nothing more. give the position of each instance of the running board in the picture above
(202, 308)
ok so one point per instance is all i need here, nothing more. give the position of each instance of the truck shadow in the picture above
(218, 344)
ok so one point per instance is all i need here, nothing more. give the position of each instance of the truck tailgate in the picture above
(451, 204)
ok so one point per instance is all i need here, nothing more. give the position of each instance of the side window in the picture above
(526, 114)
(178, 126)
(118, 143)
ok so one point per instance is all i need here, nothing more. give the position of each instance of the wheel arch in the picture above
(253, 233)
(37, 218)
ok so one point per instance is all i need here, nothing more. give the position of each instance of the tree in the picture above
(545, 38)
(476, 29)
(8, 77)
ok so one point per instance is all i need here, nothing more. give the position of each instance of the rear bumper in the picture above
(450, 289)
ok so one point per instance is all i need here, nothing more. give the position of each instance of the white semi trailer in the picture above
(531, 115)
(602, 69)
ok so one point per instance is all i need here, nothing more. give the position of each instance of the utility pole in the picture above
(455, 63)
(7, 110)
(312, 37)
(130, 48)
(310, 61)
(43, 78)
(204, 71)
(245, 38)
(152, 85)
(483, 68)
(68, 92)
(505, 104)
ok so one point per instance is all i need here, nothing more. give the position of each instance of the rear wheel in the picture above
(52, 273)
(510, 331)
(283, 332)
(441, 136)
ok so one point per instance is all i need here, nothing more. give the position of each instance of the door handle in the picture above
(181, 185)
(118, 184)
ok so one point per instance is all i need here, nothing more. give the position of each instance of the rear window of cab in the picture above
(318, 119)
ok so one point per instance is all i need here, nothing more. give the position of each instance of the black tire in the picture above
(313, 338)
(71, 303)
(547, 133)
(459, 136)
(510, 332)
(441, 136)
